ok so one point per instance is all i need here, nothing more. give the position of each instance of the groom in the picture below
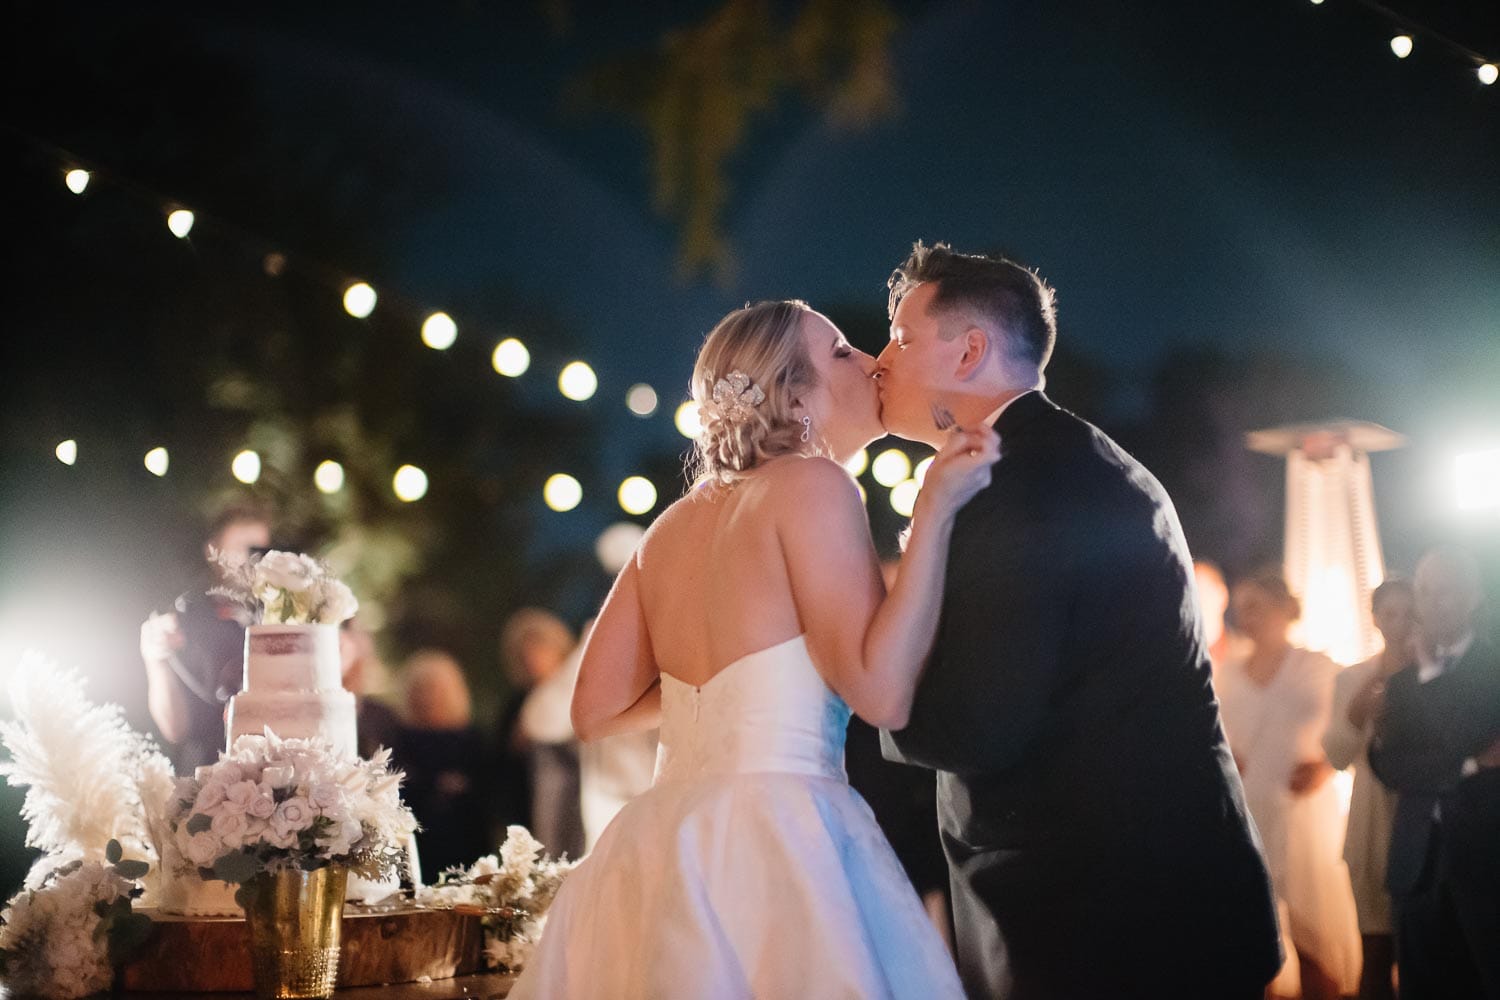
(1096, 834)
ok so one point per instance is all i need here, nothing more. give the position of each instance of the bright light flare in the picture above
(920, 472)
(67, 451)
(409, 484)
(328, 477)
(77, 180)
(180, 222)
(859, 463)
(511, 358)
(246, 467)
(689, 425)
(157, 461)
(1488, 74)
(637, 495)
(904, 497)
(1477, 475)
(616, 544)
(439, 331)
(577, 381)
(359, 300)
(1401, 45)
(891, 467)
(562, 492)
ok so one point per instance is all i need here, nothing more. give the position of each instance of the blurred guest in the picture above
(1437, 743)
(443, 756)
(1276, 702)
(538, 730)
(1213, 601)
(1372, 807)
(611, 771)
(377, 724)
(194, 654)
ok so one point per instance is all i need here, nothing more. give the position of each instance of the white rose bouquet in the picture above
(514, 890)
(271, 804)
(65, 937)
(286, 588)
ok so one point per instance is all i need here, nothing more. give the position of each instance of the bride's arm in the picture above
(872, 650)
(619, 687)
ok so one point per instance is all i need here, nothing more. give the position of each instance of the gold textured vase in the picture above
(295, 918)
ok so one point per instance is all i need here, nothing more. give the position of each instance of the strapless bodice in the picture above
(769, 711)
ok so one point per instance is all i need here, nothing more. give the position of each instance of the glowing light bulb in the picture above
(1488, 74)
(904, 497)
(637, 495)
(328, 477)
(859, 463)
(920, 472)
(409, 483)
(577, 381)
(562, 492)
(641, 400)
(359, 300)
(76, 180)
(1401, 45)
(180, 222)
(686, 418)
(891, 467)
(246, 467)
(511, 358)
(67, 451)
(439, 331)
(156, 461)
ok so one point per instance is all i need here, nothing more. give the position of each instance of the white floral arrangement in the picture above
(513, 890)
(286, 588)
(271, 804)
(65, 937)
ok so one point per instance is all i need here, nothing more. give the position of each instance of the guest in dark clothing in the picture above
(378, 724)
(194, 654)
(1437, 725)
(446, 768)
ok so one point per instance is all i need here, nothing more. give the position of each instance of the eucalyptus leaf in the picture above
(132, 869)
(113, 852)
(237, 867)
(199, 823)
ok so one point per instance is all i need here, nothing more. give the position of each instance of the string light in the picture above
(1488, 73)
(328, 477)
(511, 358)
(439, 331)
(1402, 46)
(859, 463)
(577, 381)
(180, 222)
(246, 467)
(686, 418)
(409, 484)
(920, 472)
(641, 400)
(156, 461)
(562, 492)
(76, 180)
(891, 467)
(359, 300)
(637, 495)
(67, 451)
(904, 497)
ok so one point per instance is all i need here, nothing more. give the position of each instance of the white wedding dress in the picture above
(749, 869)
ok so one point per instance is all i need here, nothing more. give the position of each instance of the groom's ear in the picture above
(976, 348)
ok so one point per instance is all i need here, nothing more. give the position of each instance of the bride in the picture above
(750, 622)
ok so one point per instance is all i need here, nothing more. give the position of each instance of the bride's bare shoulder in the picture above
(798, 480)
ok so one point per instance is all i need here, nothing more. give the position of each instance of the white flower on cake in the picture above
(271, 803)
(287, 588)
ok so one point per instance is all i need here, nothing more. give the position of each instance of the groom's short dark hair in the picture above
(1012, 296)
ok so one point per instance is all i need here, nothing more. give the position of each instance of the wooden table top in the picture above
(485, 986)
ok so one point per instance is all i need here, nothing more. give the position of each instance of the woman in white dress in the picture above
(749, 623)
(1275, 703)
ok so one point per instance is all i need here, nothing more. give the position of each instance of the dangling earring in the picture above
(806, 428)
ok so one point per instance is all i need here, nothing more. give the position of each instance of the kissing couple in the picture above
(1040, 649)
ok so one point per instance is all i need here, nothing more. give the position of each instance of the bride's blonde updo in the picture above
(764, 343)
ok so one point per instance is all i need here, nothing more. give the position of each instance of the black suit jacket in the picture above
(1089, 806)
(1422, 737)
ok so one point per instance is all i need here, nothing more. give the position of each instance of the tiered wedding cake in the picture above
(293, 688)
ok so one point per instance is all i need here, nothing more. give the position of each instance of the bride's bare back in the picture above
(714, 582)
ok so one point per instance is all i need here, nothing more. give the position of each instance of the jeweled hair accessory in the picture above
(735, 396)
